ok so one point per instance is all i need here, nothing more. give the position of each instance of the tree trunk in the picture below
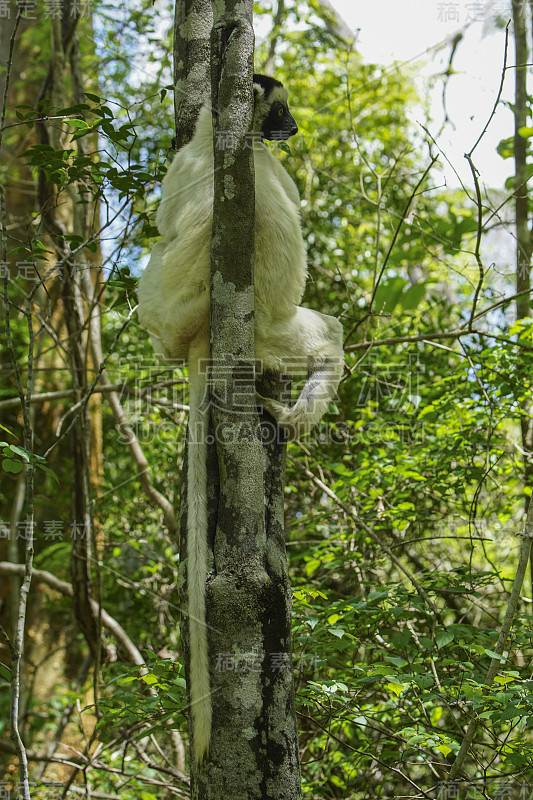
(254, 747)
(60, 218)
(523, 232)
(193, 20)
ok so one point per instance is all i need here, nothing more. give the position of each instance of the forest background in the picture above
(405, 511)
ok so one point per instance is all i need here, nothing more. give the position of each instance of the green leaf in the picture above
(511, 713)
(396, 660)
(505, 148)
(150, 678)
(443, 638)
(516, 760)
(5, 672)
(20, 451)
(388, 294)
(396, 688)
(413, 296)
(12, 466)
(49, 472)
(77, 123)
(405, 506)
(492, 654)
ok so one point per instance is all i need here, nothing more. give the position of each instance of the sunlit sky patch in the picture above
(416, 32)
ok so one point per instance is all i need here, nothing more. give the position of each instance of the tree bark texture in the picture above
(254, 746)
(193, 20)
(58, 219)
(523, 231)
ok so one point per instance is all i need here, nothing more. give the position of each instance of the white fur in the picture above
(174, 307)
(197, 554)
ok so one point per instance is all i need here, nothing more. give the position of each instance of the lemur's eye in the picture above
(280, 112)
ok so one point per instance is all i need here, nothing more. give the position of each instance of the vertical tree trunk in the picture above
(254, 746)
(59, 219)
(523, 231)
(193, 20)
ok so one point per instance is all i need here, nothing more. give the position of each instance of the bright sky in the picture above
(408, 30)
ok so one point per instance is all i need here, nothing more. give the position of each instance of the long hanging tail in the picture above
(197, 565)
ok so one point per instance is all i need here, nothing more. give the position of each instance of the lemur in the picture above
(289, 339)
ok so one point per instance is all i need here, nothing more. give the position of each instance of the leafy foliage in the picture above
(405, 505)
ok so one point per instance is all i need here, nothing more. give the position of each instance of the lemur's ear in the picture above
(259, 91)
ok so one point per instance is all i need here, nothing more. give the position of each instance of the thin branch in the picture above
(83, 403)
(475, 173)
(403, 217)
(9, 66)
(45, 397)
(275, 36)
(502, 79)
(477, 254)
(428, 338)
(16, 645)
(447, 74)
(82, 761)
(360, 751)
(501, 303)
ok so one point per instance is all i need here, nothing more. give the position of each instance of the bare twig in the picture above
(62, 394)
(81, 761)
(447, 74)
(496, 102)
(403, 217)
(435, 336)
(83, 403)
(477, 254)
(275, 36)
(9, 66)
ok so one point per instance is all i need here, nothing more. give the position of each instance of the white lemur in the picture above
(174, 307)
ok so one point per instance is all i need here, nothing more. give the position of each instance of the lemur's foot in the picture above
(294, 420)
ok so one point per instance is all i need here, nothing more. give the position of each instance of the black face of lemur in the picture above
(279, 123)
